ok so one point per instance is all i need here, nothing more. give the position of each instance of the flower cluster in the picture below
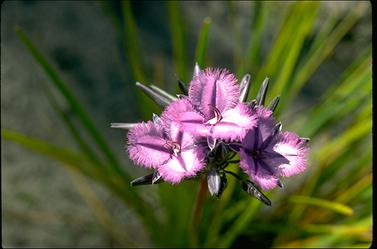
(203, 130)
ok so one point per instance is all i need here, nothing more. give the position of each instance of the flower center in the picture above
(256, 154)
(174, 147)
(216, 116)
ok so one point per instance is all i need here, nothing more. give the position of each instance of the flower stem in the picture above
(233, 174)
(200, 197)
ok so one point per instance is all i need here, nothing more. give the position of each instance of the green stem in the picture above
(200, 197)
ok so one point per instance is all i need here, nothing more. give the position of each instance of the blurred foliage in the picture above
(328, 206)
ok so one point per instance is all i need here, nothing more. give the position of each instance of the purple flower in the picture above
(171, 152)
(266, 153)
(202, 131)
(215, 110)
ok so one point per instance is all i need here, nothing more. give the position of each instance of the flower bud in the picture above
(252, 190)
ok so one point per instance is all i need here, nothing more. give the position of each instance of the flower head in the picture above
(214, 89)
(202, 131)
(171, 152)
(267, 153)
(215, 110)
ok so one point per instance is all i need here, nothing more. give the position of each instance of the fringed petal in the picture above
(294, 150)
(186, 164)
(146, 145)
(261, 173)
(266, 123)
(214, 88)
(172, 117)
(192, 123)
(173, 111)
(234, 123)
(180, 114)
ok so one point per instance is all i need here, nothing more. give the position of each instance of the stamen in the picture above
(217, 116)
(173, 146)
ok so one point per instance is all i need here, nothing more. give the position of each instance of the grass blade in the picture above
(331, 235)
(261, 12)
(294, 47)
(333, 148)
(69, 125)
(178, 38)
(276, 54)
(201, 47)
(68, 157)
(237, 51)
(83, 165)
(240, 224)
(330, 205)
(112, 228)
(315, 58)
(340, 100)
(131, 41)
(71, 100)
(327, 154)
(213, 235)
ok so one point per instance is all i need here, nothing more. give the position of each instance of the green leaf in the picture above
(260, 20)
(178, 39)
(67, 157)
(346, 195)
(345, 166)
(331, 205)
(238, 60)
(274, 58)
(178, 202)
(240, 224)
(334, 234)
(325, 47)
(72, 101)
(201, 47)
(327, 154)
(340, 100)
(333, 148)
(112, 228)
(69, 125)
(131, 41)
(294, 48)
(85, 166)
(131, 44)
(108, 9)
(214, 234)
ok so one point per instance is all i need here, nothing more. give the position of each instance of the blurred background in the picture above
(68, 70)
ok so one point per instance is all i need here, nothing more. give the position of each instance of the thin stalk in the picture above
(233, 174)
(200, 197)
(216, 223)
